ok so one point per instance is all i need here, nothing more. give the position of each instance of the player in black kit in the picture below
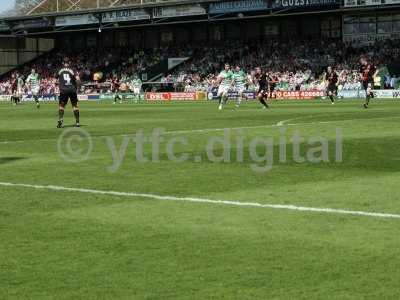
(272, 81)
(367, 72)
(262, 79)
(332, 78)
(14, 89)
(68, 84)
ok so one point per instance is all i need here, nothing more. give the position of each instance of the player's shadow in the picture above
(70, 126)
(6, 160)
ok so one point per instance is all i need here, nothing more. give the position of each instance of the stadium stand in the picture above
(298, 64)
(109, 41)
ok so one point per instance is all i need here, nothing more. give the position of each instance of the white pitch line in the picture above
(278, 124)
(166, 132)
(222, 129)
(204, 200)
(281, 123)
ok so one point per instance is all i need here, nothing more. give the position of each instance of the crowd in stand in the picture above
(298, 65)
(94, 67)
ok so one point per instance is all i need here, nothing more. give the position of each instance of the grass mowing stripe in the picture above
(203, 200)
(278, 124)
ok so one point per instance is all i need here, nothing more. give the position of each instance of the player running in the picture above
(367, 72)
(272, 82)
(14, 89)
(136, 86)
(225, 80)
(123, 89)
(262, 79)
(33, 82)
(115, 83)
(68, 83)
(331, 79)
(18, 88)
(239, 78)
(251, 84)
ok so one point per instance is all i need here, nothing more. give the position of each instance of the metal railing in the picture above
(57, 6)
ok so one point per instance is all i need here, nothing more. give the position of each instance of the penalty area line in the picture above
(204, 200)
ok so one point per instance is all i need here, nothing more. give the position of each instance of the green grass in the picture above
(70, 245)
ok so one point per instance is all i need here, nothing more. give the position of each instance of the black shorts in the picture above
(65, 97)
(262, 92)
(272, 87)
(332, 88)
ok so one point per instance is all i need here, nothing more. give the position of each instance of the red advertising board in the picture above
(183, 96)
(191, 96)
(299, 94)
(170, 96)
(158, 96)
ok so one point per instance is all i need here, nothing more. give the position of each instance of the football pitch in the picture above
(88, 214)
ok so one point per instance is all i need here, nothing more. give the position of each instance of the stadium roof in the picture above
(48, 8)
(44, 14)
(58, 6)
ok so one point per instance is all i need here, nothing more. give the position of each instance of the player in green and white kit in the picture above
(225, 79)
(240, 78)
(136, 86)
(33, 82)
